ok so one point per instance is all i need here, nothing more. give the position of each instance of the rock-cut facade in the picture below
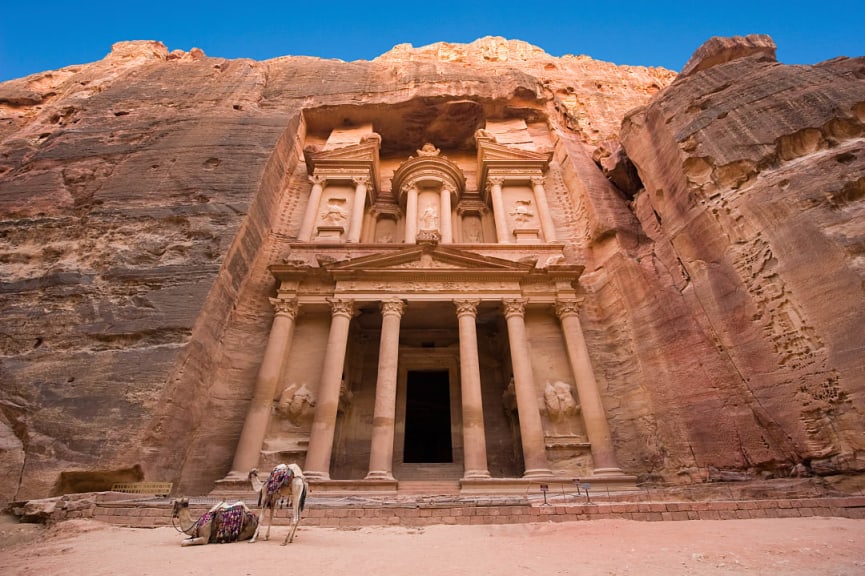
(476, 268)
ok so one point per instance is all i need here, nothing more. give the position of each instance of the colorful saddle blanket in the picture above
(226, 523)
(279, 477)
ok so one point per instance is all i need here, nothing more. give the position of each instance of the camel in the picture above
(222, 523)
(284, 481)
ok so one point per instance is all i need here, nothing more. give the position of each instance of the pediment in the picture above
(364, 151)
(491, 151)
(430, 259)
(347, 162)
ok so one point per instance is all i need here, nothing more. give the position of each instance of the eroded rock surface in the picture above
(142, 198)
(753, 202)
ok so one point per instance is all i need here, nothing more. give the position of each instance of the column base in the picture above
(538, 473)
(476, 475)
(607, 472)
(379, 475)
(316, 476)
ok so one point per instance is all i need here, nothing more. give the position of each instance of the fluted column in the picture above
(317, 465)
(474, 435)
(531, 427)
(305, 233)
(357, 209)
(591, 405)
(384, 416)
(447, 230)
(501, 221)
(547, 226)
(411, 215)
(258, 414)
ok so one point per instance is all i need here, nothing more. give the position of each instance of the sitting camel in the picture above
(222, 523)
(284, 481)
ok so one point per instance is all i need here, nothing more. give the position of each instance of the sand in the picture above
(795, 546)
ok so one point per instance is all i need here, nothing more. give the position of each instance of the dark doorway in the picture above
(427, 418)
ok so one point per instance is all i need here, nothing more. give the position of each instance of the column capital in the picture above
(495, 180)
(285, 306)
(394, 306)
(317, 179)
(340, 307)
(360, 180)
(515, 307)
(568, 307)
(538, 180)
(467, 307)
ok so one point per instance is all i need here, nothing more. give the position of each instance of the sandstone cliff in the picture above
(142, 198)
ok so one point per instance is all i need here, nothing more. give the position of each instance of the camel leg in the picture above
(203, 536)
(269, 522)
(257, 528)
(296, 496)
(194, 541)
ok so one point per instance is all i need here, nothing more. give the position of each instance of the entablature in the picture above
(425, 272)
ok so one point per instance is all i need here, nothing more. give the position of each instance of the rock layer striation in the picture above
(143, 197)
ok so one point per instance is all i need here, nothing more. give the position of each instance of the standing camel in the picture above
(222, 523)
(284, 481)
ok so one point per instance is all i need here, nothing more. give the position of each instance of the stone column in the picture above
(547, 226)
(501, 220)
(474, 435)
(357, 209)
(317, 465)
(528, 409)
(384, 416)
(411, 215)
(591, 405)
(258, 415)
(309, 217)
(447, 230)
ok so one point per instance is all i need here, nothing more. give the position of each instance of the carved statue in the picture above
(345, 396)
(335, 213)
(472, 230)
(429, 218)
(521, 211)
(428, 150)
(484, 134)
(559, 400)
(297, 404)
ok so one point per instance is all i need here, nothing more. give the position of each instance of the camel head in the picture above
(253, 473)
(178, 505)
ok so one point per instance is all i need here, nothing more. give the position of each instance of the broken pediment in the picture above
(498, 160)
(346, 162)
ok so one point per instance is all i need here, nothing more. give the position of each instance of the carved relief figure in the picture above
(335, 213)
(345, 396)
(559, 400)
(428, 150)
(472, 229)
(429, 219)
(561, 407)
(297, 404)
(509, 405)
(521, 211)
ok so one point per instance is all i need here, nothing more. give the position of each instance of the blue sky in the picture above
(659, 33)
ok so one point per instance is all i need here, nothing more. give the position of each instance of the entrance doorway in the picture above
(428, 417)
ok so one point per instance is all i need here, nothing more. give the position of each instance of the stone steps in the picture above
(407, 511)
(428, 487)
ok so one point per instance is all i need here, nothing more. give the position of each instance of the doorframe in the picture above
(419, 360)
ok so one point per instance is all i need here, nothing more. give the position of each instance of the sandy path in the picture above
(796, 546)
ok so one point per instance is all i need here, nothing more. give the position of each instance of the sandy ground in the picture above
(796, 546)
